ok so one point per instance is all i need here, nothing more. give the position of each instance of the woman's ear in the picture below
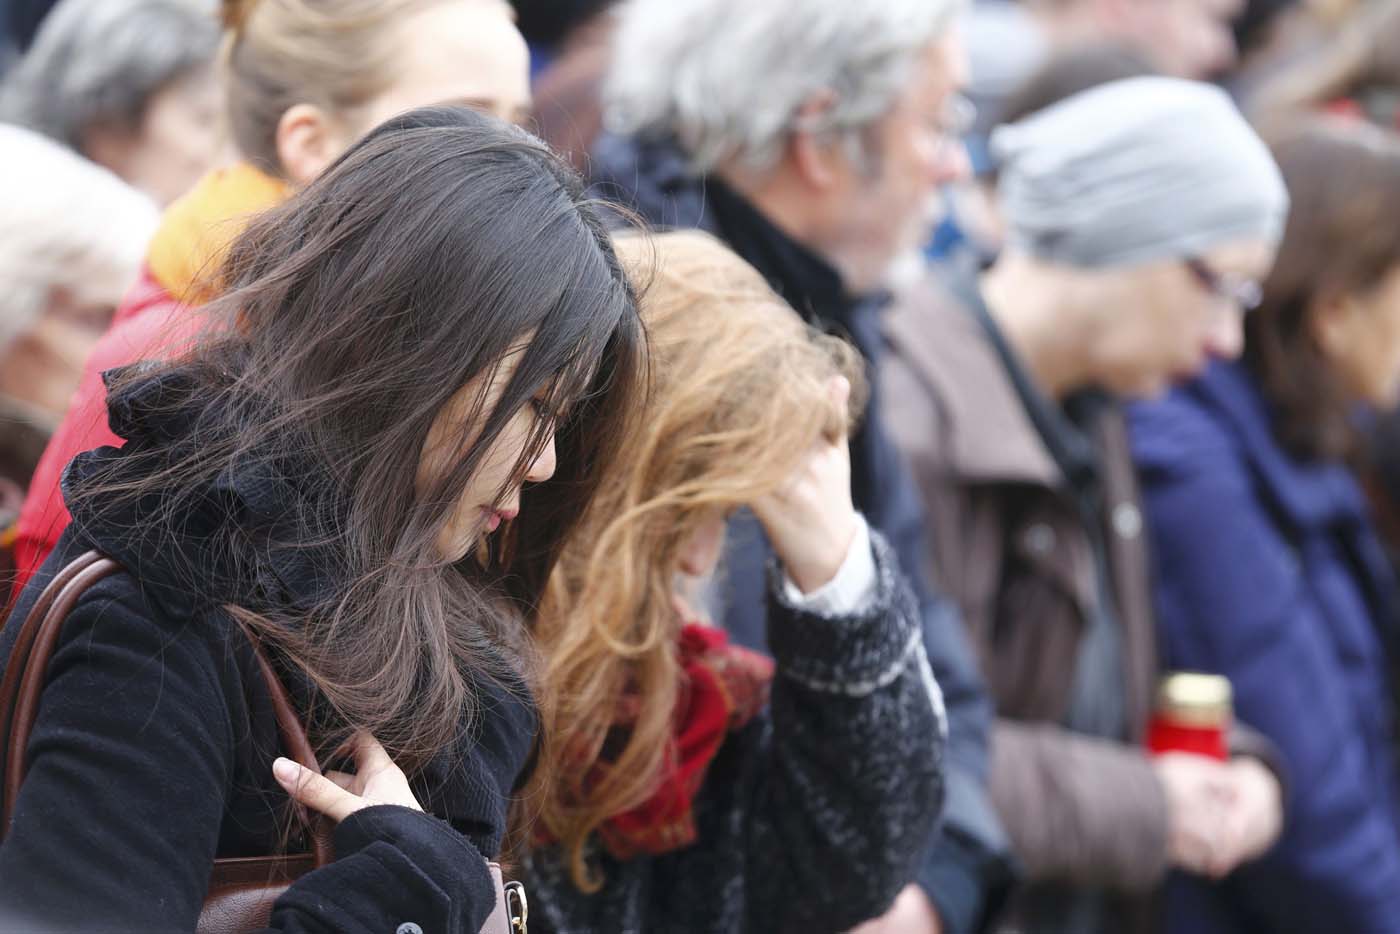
(812, 155)
(308, 140)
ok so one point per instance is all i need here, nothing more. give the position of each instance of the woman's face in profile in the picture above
(1162, 324)
(1359, 334)
(492, 496)
(178, 140)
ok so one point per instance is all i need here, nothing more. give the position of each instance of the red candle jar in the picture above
(1194, 714)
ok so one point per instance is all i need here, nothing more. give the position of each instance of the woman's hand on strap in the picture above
(377, 780)
(810, 519)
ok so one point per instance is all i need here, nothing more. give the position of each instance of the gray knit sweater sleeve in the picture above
(847, 780)
(814, 815)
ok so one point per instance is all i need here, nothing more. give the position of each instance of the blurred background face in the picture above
(178, 140)
(466, 52)
(1185, 38)
(1196, 39)
(1161, 323)
(72, 237)
(882, 208)
(1359, 336)
(457, 53)
(40, 368)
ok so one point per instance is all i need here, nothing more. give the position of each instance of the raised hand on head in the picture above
(810, 518)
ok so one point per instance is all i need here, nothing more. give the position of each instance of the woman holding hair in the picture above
(689, 784)
(1267, 566)
(303, 80)
(369, 464)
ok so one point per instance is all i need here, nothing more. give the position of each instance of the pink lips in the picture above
(496, 517)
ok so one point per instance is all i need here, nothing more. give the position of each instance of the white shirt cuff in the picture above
(853, 587)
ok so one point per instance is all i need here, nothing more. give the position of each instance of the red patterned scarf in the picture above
(723, 688)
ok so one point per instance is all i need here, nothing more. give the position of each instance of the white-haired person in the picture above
(129, 84)
(71, 240)
(813, 137)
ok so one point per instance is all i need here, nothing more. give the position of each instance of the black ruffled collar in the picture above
(252, 536)
(242, 540)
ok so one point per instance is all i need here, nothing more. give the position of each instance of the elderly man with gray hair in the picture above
(129, 84)
(812, 137)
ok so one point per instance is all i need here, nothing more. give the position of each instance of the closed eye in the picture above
(543, 411)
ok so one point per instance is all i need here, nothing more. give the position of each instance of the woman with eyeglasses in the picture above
(1138, 213)
(1267, 566)
(364, 468)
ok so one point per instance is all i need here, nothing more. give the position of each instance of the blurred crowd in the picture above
(893, 466)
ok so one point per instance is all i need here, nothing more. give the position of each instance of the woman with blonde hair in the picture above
(687, 782)
(303, 80)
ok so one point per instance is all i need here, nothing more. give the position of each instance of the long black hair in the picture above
(353, 314)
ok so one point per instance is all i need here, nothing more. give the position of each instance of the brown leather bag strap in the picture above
(27, 672)
(28, 666)
(296, 745)
(9, 686)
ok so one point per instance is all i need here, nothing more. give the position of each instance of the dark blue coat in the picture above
(1268, 572)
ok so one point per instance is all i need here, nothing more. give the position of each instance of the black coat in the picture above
(153, 749)
(968, 868)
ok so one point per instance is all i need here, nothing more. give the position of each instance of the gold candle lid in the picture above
(1196, 698)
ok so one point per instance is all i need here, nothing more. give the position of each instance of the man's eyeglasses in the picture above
(958, 117)
(1246, 294)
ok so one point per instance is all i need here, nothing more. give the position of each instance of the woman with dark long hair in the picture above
(368, 463)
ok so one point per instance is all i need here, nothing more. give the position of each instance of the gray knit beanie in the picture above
(1135, 171)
